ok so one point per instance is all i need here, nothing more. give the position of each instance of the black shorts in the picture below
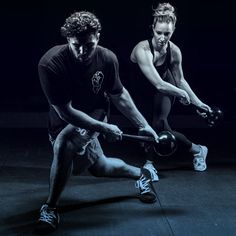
(86, 144)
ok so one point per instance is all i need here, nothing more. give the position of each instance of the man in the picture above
(160, 61)
(78, 79)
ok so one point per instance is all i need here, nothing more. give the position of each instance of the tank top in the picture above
(162, 69)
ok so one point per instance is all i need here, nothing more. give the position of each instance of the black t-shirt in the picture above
(63, 79)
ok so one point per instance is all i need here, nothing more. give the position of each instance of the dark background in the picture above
(205, 33)
(189, 203)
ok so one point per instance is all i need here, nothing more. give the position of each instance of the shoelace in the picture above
(198, 159)
(143, 184)
(47, 216)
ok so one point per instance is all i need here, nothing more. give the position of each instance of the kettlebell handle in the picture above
(138, 138)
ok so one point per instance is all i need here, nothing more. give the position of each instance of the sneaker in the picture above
(48, 220)
(153, 171)
(199, 160)
(144, 184)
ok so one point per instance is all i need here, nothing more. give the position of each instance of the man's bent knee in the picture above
(108, 167)
(63, 148)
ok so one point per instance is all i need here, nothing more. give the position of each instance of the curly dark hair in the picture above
(164, 12)
(80, 23)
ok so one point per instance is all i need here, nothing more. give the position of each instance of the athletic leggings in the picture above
(162, 104)
(161, 108)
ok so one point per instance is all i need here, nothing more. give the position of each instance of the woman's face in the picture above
(162, 32)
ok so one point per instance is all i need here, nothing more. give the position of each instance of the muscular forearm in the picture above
(167, 88)
(79, 118)
(193, 97)
(162, 86)
(126, 106)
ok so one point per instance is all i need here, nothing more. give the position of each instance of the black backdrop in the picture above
(205, 32)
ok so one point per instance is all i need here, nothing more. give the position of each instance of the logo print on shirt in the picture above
(97, 80)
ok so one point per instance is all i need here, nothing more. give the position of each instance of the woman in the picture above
(160, 61)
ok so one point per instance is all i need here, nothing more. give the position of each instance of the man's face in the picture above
(162, 32)
(83, 47)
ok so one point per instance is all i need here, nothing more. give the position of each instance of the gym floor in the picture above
(189, 203)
